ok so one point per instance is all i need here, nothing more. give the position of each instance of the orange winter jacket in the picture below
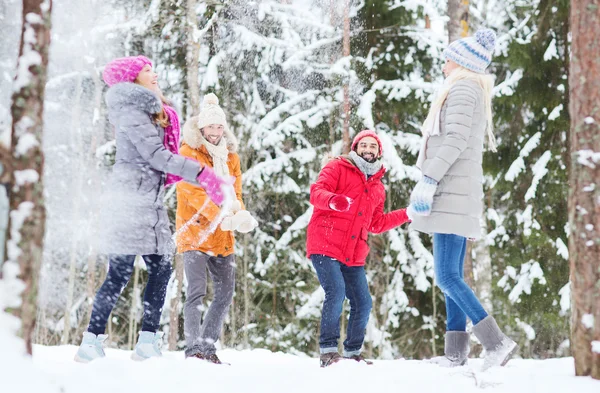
(191, 198)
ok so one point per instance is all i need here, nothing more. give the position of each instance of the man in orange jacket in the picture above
(204, 237)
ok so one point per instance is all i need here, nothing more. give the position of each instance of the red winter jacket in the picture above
(343, 236)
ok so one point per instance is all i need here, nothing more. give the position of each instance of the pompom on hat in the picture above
(364, 134)
(124, 69)
(211, 112)
(473, 53)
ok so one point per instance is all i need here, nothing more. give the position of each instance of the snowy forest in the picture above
(297, 80)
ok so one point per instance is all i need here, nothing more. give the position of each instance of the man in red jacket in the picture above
(348, 200)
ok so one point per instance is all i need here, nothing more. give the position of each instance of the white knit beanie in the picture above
(211, 112)
(473, 53)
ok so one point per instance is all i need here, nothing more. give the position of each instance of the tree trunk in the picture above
(584, 191)
(482, 270)
(246, 295)
(25, 163)
(193, 52)
(478, 273)
(345, 53)
(458, 22)
(76, 136)
(97, 138)
(135, 298)
(175, 301)
(333, 23)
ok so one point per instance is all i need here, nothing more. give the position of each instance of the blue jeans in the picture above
(120, 268)
(448, 262)
(340, 281)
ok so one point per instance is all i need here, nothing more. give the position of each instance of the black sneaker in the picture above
(327, 359)
(359, 358)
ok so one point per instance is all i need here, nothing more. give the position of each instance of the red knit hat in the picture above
(124, 69)
(365, 133)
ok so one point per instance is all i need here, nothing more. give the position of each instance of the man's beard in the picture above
(211, 141)
(371, 158)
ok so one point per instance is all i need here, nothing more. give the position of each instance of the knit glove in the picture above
(213, 184)
(340, 203)
(421, 197)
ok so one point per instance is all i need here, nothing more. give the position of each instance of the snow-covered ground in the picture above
(53, 370)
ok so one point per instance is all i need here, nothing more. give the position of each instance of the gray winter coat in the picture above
(136, 220)
(454, 159)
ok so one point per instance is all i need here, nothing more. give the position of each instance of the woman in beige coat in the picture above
(447, 202)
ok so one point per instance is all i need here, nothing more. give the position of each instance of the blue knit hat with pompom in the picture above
(473, 53)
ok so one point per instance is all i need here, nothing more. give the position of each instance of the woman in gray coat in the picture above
(447, 202)
(147, 134)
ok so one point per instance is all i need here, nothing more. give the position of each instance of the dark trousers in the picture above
(120, 268)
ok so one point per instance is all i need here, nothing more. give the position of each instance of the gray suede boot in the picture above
(456, 350)
(498, 347)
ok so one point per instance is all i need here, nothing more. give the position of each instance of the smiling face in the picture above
(213, 133)
(449, 66)
(148, 78)
(368, 149)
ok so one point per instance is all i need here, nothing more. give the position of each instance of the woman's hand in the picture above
(213, 184)
(421, 198)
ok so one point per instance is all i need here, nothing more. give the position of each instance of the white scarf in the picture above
(219, 154)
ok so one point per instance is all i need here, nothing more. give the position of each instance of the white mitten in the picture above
(247, 223)
(236, 206)
(228, 223)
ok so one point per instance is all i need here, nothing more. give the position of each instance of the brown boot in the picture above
(359, 358)
(327, 359)
(213, 358)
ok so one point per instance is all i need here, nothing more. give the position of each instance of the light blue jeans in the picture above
(448, 262)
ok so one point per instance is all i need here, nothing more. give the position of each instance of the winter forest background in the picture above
(281, 76)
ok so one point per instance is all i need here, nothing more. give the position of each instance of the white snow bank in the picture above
(53, 370)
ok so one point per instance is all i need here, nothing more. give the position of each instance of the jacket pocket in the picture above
(362, 246)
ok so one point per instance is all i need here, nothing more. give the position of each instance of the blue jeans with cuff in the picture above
(340, 281)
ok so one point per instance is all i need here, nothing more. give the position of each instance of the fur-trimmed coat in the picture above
(137, 221)
(192, 198)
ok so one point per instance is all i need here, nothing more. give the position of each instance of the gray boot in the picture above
(456, 350)
(498, 347)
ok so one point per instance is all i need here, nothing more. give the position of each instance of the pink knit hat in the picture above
(365, 133)
(124, 69)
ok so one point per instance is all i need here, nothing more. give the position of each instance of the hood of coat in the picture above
(133, 95)
(194, 138)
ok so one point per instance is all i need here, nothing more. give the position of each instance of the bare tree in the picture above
(193, 52)
(458, 22)
(24, 164)
(194, 37)
(478, 272)
(346, 107)
(584, 193)
(174, 306)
